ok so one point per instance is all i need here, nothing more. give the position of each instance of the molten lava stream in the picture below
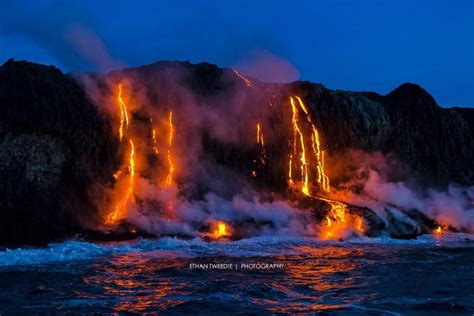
(260, 140)
(262, 154)
(305, 160)
(220, 230)
(155, 149)
(120, 210)
(153, 138)
(123, 112)
(342, 223)
(316, 146)
(290, 176)
(304, 165)
(247, 82)
(258, 133)
(169, 178)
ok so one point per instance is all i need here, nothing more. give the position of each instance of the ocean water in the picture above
(264, 275)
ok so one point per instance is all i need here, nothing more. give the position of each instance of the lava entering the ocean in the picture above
(120, 210)
(304, 180)
(339, 222)
(220, 230)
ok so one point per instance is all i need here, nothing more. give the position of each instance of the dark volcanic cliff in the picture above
(435, 144)
(55, 145)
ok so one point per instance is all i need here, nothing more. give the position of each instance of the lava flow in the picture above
(169, 178)
(261, 142)
(260, 135)
(123, 112)
(221, 230)
(304, 159)
(304, 166)
(322, 179)
(339, 222)
(153, 138)
(261, 161)
(247, 82)
(120, 210)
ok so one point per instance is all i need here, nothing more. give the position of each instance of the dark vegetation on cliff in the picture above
(55, 145)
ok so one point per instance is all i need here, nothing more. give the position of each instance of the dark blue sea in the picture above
(262, 275)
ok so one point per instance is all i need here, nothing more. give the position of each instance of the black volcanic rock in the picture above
(468, 116)
(436, 143)
(54, 147)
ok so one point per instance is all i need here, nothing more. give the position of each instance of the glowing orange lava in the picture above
(123, 112)
(324, 177)
(316, 146)
(221, 230)
(304, 165)
(438, 231)
(260, 135)
(305, 160)
(120, 210)
(290, 176)
(153, 136)
(360, 225)
(329, 233)
(339, 222)
(247, 82)
(169, 178)
(117, 174)
(262, 159)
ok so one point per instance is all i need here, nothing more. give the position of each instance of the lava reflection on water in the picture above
(154, 276)
(137, 283)
(134, 286)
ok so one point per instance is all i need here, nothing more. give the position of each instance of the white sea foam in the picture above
(74, 250)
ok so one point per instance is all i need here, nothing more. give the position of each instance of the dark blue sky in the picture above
(352, 45)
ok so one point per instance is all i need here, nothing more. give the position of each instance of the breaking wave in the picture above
(168, 247)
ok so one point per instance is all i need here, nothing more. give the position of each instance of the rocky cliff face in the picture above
(435, 144)
(55, 145)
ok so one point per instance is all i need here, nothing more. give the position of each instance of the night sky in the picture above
(352, 45)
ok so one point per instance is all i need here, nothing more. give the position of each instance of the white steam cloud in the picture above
(370, 188)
